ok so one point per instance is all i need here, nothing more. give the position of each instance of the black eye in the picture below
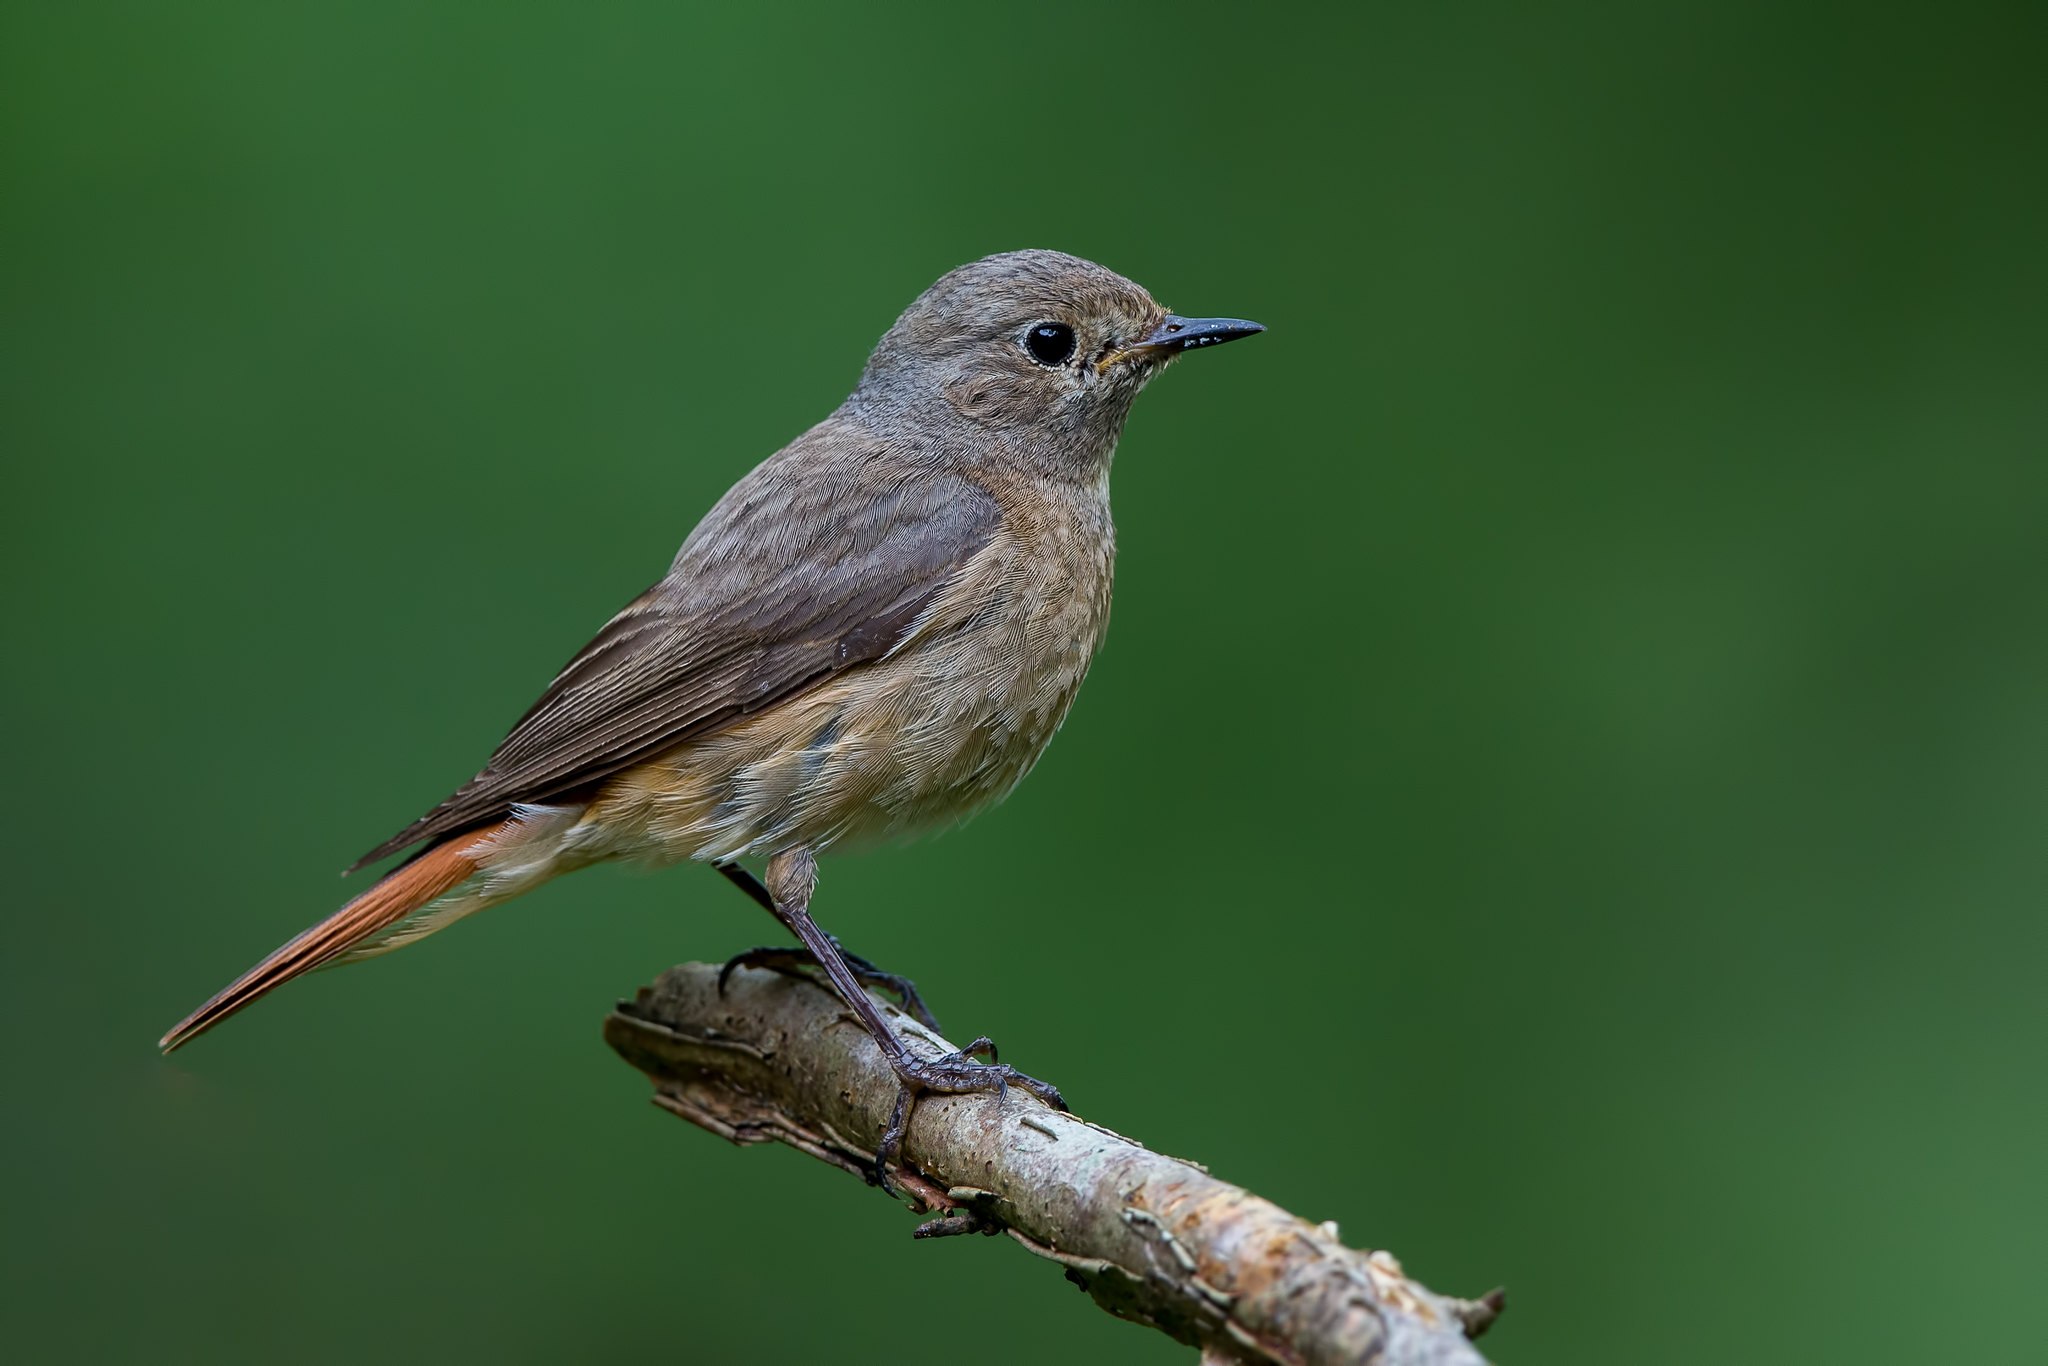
(1050, 343)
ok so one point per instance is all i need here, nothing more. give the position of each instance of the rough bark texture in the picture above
(1151, 1238)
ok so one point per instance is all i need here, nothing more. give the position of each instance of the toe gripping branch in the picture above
(848, 976)
(804, 965)
(952, 1074)
(973, 1068)
(794, 962)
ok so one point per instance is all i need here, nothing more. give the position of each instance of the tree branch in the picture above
(1151, 1238)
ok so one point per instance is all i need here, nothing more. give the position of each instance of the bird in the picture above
(873, 634)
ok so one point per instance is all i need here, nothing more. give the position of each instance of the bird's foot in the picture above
(795, 962)
(952, 1074)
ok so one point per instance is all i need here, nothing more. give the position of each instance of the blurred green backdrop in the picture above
(1608, 859)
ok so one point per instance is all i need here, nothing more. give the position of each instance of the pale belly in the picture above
(923, 738)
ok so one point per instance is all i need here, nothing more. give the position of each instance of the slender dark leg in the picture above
(792, 877)
(792, 962)
(751, 885)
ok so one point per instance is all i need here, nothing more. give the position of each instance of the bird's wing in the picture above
(793, 577)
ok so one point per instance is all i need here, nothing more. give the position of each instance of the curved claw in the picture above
(793, 962)
(732, 964)
(890, 1149)
(952, 1074)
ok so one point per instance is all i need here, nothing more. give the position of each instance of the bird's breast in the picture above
(942, 726)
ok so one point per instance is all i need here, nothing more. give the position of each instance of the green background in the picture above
(1563, 794)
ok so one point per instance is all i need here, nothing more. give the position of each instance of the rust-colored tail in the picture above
(398, 895)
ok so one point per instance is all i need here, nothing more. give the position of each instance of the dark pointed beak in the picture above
(1175, 333)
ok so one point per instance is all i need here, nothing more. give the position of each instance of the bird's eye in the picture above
(1050, 343)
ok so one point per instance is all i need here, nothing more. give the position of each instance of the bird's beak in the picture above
(1176, 334)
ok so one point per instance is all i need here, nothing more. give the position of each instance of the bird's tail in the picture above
(397, 895)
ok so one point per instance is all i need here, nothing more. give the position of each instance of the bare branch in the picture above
(1152, 1239)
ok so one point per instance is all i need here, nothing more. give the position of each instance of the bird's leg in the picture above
(792, 877)
(792, 962)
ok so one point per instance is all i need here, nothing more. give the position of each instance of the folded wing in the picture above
(808, 567)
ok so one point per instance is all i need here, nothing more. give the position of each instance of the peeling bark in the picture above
(1152, 1239)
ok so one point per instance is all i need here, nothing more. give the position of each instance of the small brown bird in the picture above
(874, 633)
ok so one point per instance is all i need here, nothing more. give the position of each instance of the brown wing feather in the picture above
(810, 566)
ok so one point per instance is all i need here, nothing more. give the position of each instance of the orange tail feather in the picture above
(396, 896)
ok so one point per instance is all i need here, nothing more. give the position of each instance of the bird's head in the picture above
(1036, 346)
